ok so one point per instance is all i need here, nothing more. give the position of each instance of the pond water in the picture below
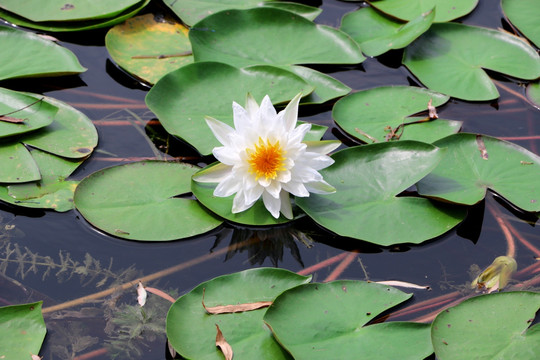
(93, 261)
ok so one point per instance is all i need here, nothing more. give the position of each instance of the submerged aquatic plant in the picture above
(265, 157)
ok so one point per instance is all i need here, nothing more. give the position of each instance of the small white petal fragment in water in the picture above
(404, 284)
(141, 294)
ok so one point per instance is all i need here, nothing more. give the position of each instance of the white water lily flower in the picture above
(265, 156)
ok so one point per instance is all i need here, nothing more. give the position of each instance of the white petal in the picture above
(263, 181)
(141, 294)
(274, 188)
(267, 111)
(305, 174)
(221, 131)
(251, 105)
(322, 147)
(296, 188)
(239, 203)
(291, 112)
(272, 204)
(226, 155)
(316, 161)
(253, 193)
(286, 208)
(214, 173)
(227, 187)
(284, 176)
(297, 135)
(241, 117)
(320, 187)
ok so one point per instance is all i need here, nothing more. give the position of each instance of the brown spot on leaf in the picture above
(344, 288)
(68, 7)
(482, 147)
(83, 150)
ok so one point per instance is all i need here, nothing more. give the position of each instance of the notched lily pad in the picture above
(270, 36)
(192, 331)
(411, 9)
(450, 58)
(126, 202)
(494, 326)
(22, 330)
(67, 26)
(385, 113)
(66, 10)
(148, 48)
(52, 191)
(367, 180)
(34, 56)
(474, 163)
(193, 11)
(328, 321)
(183, 97)
(525, 15)
(21, 113)
(377, 33)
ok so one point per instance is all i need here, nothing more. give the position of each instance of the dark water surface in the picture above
(442, 263)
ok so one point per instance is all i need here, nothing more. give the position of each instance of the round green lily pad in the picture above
(408, 10)
(450, 58)
(365, 205)
(525, 15)
(144, 201)
(373, 114)
(270, 36)
(192, 331)
(494, 326)
(328, 321)
(21, 113)
(22, 331)
(182, 98)
(35, 56)
(377, 33)
(148, 48)
(474, 163)
(62, 10)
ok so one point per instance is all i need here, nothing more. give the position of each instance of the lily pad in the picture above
(193, 11)
(67, 26)
(52, 191)
(192, 331)
(25, 54)
(149, 48)
(449, 58)
(182, 98)
(474, 163)
(59, 10)
(377, 33)
(375, 112)
(326, 321)
(525, 15)
(494, 326)
(16, 163)
(270, 36)
(22, 331)
(71, 134)
(533, 93)
(411, 9)
(31, 112)
(326, 87)
(125, 201)
(367, 179)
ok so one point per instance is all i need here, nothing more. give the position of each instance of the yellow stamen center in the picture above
(266, 159)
